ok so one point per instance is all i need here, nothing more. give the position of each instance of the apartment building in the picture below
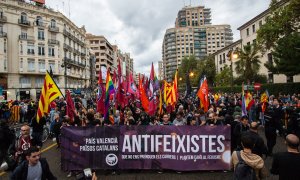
(193, 34)
(34, 39)
(222, 57)
(248, 35)
(103, 51)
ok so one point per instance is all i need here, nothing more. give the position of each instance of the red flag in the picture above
(151, 93)
(144, 98)
(203, 94)
(70, 110)
(100, 95)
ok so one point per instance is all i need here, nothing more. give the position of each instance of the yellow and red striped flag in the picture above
(49, 92)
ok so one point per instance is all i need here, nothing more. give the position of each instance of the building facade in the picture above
(248, 35)
(34, 39)
(193, 34)
(103, 51)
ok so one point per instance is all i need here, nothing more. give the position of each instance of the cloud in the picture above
(138, 26)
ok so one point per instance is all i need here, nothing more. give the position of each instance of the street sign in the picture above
(257, 86)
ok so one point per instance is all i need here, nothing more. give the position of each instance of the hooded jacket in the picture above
(253, 160)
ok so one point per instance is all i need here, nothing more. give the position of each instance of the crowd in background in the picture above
(281, 117)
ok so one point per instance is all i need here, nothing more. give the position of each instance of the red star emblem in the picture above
(50, 86)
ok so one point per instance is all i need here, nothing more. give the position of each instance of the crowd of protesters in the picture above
(281, 117)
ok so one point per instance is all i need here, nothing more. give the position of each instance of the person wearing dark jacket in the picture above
(286, 164)
(33, 168)
(56, 128)
(259, 147)
(37, 130)
(239, 128)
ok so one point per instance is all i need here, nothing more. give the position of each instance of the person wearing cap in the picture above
(287, 164)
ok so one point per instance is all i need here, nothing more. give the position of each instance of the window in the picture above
(224, 58)
(39, 82)
(30, 48)
(220, 60)
(254, 41)
(23, 17)
(4, 46)
(253, 28)
(21, 64)
(39, 21)
(42, 66)
(270, 58)
(52, 66)
(31, 65)
(41, 50)
(51, 51)
(53, 23)
(260, 23)
(247, 30)
(21, 48)
(5, 64)
(248, 43)
(24, 80)
(41, 35)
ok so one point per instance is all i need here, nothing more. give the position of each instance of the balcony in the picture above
(23, 22)
(3, 19)
(39, 24)
(53, 41)
(82, 54)
(53, 29)
(3, 34)
(25, 37)
(67, 47)
(76, 51)
(75, 63)
(23, 85)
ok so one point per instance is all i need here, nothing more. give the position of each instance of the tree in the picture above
(224, 77)
(249, 64)
(208, 69)
(189, 64)
(283, 20)
(280, 34)
(286, 56)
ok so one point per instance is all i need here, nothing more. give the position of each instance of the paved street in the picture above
(53, 156)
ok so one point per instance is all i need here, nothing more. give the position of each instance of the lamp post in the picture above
(232, 54)
(66, 66)
(189, 74)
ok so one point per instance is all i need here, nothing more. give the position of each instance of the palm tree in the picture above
(249, 64)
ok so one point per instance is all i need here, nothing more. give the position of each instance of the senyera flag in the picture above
(50, 92)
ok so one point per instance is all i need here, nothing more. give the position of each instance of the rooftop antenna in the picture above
(69, 10)
(63, 3)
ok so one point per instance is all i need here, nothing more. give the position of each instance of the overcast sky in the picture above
(138, 26)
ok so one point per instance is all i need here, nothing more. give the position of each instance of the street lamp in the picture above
(66, 66)
(232, 54)
(191, 74)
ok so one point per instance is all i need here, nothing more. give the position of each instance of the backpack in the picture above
(242, 170)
